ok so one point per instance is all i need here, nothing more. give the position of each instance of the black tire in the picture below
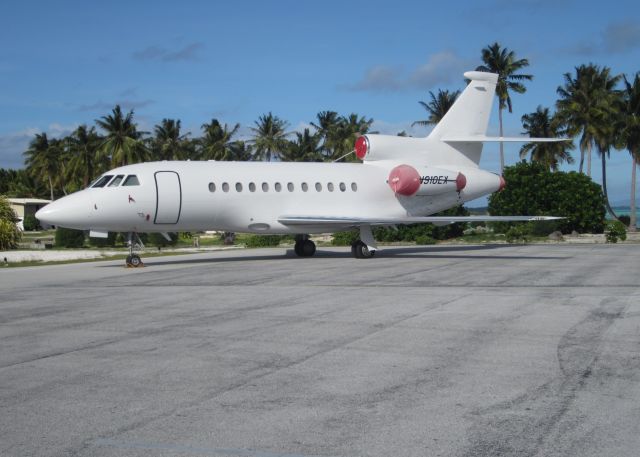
(135, 261)
(298, 248)
(308, 248)
(128, 261)
(361, 251)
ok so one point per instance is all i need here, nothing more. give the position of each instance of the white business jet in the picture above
(400, 181)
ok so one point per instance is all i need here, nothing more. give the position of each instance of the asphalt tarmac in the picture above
(435, 351)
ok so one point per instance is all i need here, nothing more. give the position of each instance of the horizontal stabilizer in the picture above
(500, 139)
(357, 221)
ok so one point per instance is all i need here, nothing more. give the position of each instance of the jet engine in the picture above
(406, 180)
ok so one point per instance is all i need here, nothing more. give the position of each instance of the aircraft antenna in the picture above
(342, 157)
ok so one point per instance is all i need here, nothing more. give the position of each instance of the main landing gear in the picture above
(366, 246)
(361, 251)
(133, 260)
(304, 247)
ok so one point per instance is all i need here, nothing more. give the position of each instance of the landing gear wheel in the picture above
(134, 261)
(305, 248)
(361, 251)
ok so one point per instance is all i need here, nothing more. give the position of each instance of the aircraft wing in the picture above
(500, 139)
(357, 221)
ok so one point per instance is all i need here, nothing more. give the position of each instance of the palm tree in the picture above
(122, 143)
(43, 161)
(631, 137)
(241, 151)
(216, 143)
(305, 148)
(583, 105)
(608, 127)
(503, 62)
(269, 136)
(83, 145)
(168, 144)
(326, 127)
(540, 124)
(342, 139)
(438, 106)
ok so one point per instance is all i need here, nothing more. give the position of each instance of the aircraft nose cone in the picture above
(71, 211)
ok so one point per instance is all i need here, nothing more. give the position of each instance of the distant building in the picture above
(26, 207)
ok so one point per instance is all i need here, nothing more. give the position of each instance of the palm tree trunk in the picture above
(589, 161)
(604, 186)
(581, 160)
(632, 201)
(501, 143)
(51, 187)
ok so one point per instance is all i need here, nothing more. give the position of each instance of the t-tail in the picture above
(459, 136)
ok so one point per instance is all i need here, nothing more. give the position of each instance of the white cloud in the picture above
(442, 68)
(616, 38)
(13, 144)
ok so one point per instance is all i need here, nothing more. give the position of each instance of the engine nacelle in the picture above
(388, 147)
(406, 180)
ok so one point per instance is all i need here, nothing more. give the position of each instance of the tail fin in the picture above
(467, 118)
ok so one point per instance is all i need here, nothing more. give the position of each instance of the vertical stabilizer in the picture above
(467, 118)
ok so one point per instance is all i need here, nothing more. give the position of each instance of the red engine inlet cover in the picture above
(461, 182)
(404, 180)
(362, 147)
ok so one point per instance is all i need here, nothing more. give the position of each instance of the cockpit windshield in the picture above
(131, 180)
(116, 181)
(103, 181)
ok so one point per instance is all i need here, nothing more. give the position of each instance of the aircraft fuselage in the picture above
(173, 196)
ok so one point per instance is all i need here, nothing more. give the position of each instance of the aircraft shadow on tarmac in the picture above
(413, 252)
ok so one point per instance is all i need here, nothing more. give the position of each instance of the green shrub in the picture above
(345, 238)
(30, 223)
(9, 235)
(517, 234)
(533, 190)
(69, 238)
(6, 212)
(263, 241)
(157, 239)
(424, 240)
(615, 231)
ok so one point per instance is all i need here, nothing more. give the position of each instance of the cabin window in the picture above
(290, 187)
(343, 187)
(225, 187)
(252, 187)
(278, 187)
(116, 181)
(305, 187)
(238, 187)
(212, 187)
(103, 181)
(354, 187)
(265, 187)
(131, 180)
(330, 187)
(319, 187)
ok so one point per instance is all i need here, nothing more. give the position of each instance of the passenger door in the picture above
(169, 197)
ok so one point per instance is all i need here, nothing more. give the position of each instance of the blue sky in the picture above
(67, 63)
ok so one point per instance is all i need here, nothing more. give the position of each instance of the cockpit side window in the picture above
(116, 181)
(103, 181)
(132, 180)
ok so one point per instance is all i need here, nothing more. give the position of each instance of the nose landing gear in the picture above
(133, 260)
